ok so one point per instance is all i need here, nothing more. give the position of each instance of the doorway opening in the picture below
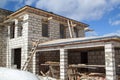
(84, 60)
(17, 58)
(84, 57)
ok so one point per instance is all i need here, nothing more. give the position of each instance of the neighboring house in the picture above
(28, 24)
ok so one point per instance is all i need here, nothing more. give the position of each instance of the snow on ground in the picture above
(12, 74)
(46, 78)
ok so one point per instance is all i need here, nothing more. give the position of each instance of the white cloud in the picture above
(79, 9)
(114, 33)
(19, 3)
(115, 20)
(75, 9)
(29, 2)
(114, 23)
(3, 3)
(91, 34)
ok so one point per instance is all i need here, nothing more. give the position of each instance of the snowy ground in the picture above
(12, 74)
(46, 78)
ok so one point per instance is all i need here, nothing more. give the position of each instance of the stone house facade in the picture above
(28, 24)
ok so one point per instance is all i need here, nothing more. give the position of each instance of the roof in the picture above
(49, 14)
(78, 40)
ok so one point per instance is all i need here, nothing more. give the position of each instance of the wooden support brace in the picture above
(72, 30)
(69, 27)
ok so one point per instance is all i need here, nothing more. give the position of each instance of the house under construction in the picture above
(38, 41)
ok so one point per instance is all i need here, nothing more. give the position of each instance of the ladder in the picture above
(30, 56)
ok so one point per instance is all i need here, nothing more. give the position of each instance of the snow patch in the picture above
(12, 74)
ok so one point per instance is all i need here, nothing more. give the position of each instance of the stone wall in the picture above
(117, 61)
(96, 57)
(18, 42)
(42, 57)
(3, 14)
(3, 37)
(35, 31)
(3, 45)
(32, 31)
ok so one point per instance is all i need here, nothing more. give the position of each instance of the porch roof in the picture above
(79, 40)
(79, 43)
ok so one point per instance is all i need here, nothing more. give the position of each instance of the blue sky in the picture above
(103, 16)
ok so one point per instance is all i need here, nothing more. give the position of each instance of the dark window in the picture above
(84, 57)
(45, 30)
(84, 60)
(76, 32)
(12, 30)
(62, 31)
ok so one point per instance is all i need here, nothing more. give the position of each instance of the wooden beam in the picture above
(72, 30)
(69, 27)
(12, 18)
(49, 18)
(4, 24)
(88, 29)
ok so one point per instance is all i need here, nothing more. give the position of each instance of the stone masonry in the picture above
(35, 30)
(32, 31)
(3, 37)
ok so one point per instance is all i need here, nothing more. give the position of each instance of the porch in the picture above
(82, 56)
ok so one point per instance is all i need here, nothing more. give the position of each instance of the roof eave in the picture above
(29, 7)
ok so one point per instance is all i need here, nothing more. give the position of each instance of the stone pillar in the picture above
(110, 61)
(63, 64)
(16, 28)
(7, 50)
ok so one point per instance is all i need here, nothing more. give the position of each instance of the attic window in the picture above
(12, 30)
(45, 29)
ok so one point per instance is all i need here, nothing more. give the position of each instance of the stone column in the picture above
(16, 28)
(110, 61)
(7, 50)
(63, 64)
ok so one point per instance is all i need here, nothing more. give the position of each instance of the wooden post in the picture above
(72, 29)
(69, 27)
